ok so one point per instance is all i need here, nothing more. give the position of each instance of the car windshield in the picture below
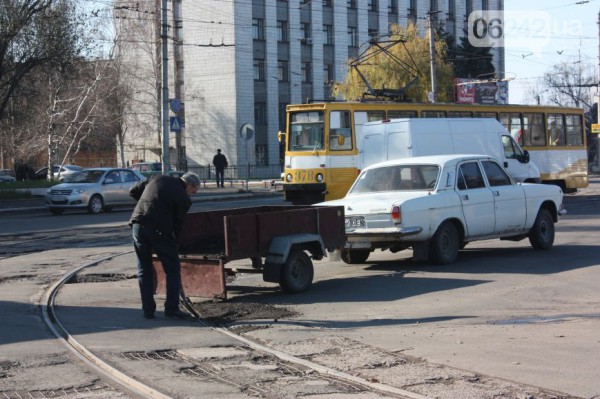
(87, 176)
(396, 178)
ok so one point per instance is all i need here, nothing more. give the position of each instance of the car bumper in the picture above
(66, 201)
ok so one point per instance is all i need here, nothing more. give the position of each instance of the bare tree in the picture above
(569, 84)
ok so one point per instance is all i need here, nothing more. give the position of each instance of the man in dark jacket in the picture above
(220, 163)
(156, 222)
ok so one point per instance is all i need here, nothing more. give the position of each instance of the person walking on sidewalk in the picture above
(220, 163)
(156, 223)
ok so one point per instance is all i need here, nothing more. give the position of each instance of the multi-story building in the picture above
(242, 62)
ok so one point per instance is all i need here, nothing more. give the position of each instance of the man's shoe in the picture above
(148, 315)
(178, 314)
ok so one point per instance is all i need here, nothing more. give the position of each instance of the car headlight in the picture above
(78, 191)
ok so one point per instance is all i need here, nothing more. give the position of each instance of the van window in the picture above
(511, 149)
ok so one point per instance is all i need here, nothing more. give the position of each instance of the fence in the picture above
(240, 172)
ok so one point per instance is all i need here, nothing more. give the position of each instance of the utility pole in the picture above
(434, 91)
(178, 82)
(598, 99)
(165, 91)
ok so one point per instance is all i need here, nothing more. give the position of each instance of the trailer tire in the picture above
(354, 256)
(296, 273)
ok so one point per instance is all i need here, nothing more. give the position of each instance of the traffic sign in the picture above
(247, 131)
(175, 124)
(596, 128)
(175, 105)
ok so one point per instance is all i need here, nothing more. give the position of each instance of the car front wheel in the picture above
(444, 245)
(95, 205)
(541, 235)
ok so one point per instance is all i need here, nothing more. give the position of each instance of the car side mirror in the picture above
(341, 139)
(525, 158)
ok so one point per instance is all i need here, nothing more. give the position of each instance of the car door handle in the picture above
(465, 197)
(496, 193)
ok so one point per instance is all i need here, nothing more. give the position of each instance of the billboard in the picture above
(472, 91)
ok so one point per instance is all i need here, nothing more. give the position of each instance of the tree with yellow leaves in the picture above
(408, 64)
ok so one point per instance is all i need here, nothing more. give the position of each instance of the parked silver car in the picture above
(94, 189)
(60, 173)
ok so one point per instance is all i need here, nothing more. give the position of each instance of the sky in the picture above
(542, 33)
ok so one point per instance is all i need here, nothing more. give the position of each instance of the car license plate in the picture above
(59, 198)
(355, 221)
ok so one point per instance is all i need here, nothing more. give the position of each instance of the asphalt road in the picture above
(503, 313)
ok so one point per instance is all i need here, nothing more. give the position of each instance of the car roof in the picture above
(430, 159)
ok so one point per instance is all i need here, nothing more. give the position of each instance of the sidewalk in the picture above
(208, 192)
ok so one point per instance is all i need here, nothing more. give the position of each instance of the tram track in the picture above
(132, 385)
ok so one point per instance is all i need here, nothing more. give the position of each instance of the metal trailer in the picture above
(281, 235)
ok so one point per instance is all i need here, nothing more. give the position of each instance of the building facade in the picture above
(239, 63)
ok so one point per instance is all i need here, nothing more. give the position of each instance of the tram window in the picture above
(512, 123)
(556, 129)
(401, 114)
(534, 132)
(375, 116)
(459, 114)
(433, 114)
(485, 115)
(574, 130)
(340, 135)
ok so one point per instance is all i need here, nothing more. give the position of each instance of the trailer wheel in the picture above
(296, 273)
(353, 256)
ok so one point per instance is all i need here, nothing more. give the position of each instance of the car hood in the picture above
(373, 202)
(72, 186)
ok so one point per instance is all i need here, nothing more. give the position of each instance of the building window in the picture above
(258, 29)
(282, 116)
(327, 3)
(260, 113)
(259, 70)
(305, 30)
(469, 7)
(352, 4)
(393, 6)
(451, 7)
(412, 10)
(261, 151)
(352, 37)
(282, 31)
(433, 6)
(282, 71)
(328, 34)
(372, 5)
(328, 74)
(306, 77)
(485, 4)
(373, 32)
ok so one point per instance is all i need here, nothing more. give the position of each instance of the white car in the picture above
(437, 204)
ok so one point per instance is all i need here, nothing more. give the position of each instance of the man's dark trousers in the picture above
(145, 240)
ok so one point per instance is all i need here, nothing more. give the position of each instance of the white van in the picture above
(405, 138)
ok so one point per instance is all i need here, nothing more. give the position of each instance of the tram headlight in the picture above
(319, 177)
(288, 178)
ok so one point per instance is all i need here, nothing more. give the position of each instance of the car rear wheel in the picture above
(296, 273)
(56, 211)
(353, 256)
(95, 205)
(541, 235)
(443, 248)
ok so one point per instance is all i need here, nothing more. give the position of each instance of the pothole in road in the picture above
(100, 278)
(228, 313)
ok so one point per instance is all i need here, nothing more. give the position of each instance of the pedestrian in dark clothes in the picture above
(220, 163)
(156, 223)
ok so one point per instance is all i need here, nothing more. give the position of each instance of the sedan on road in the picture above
(94, 189)
(438, 204)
